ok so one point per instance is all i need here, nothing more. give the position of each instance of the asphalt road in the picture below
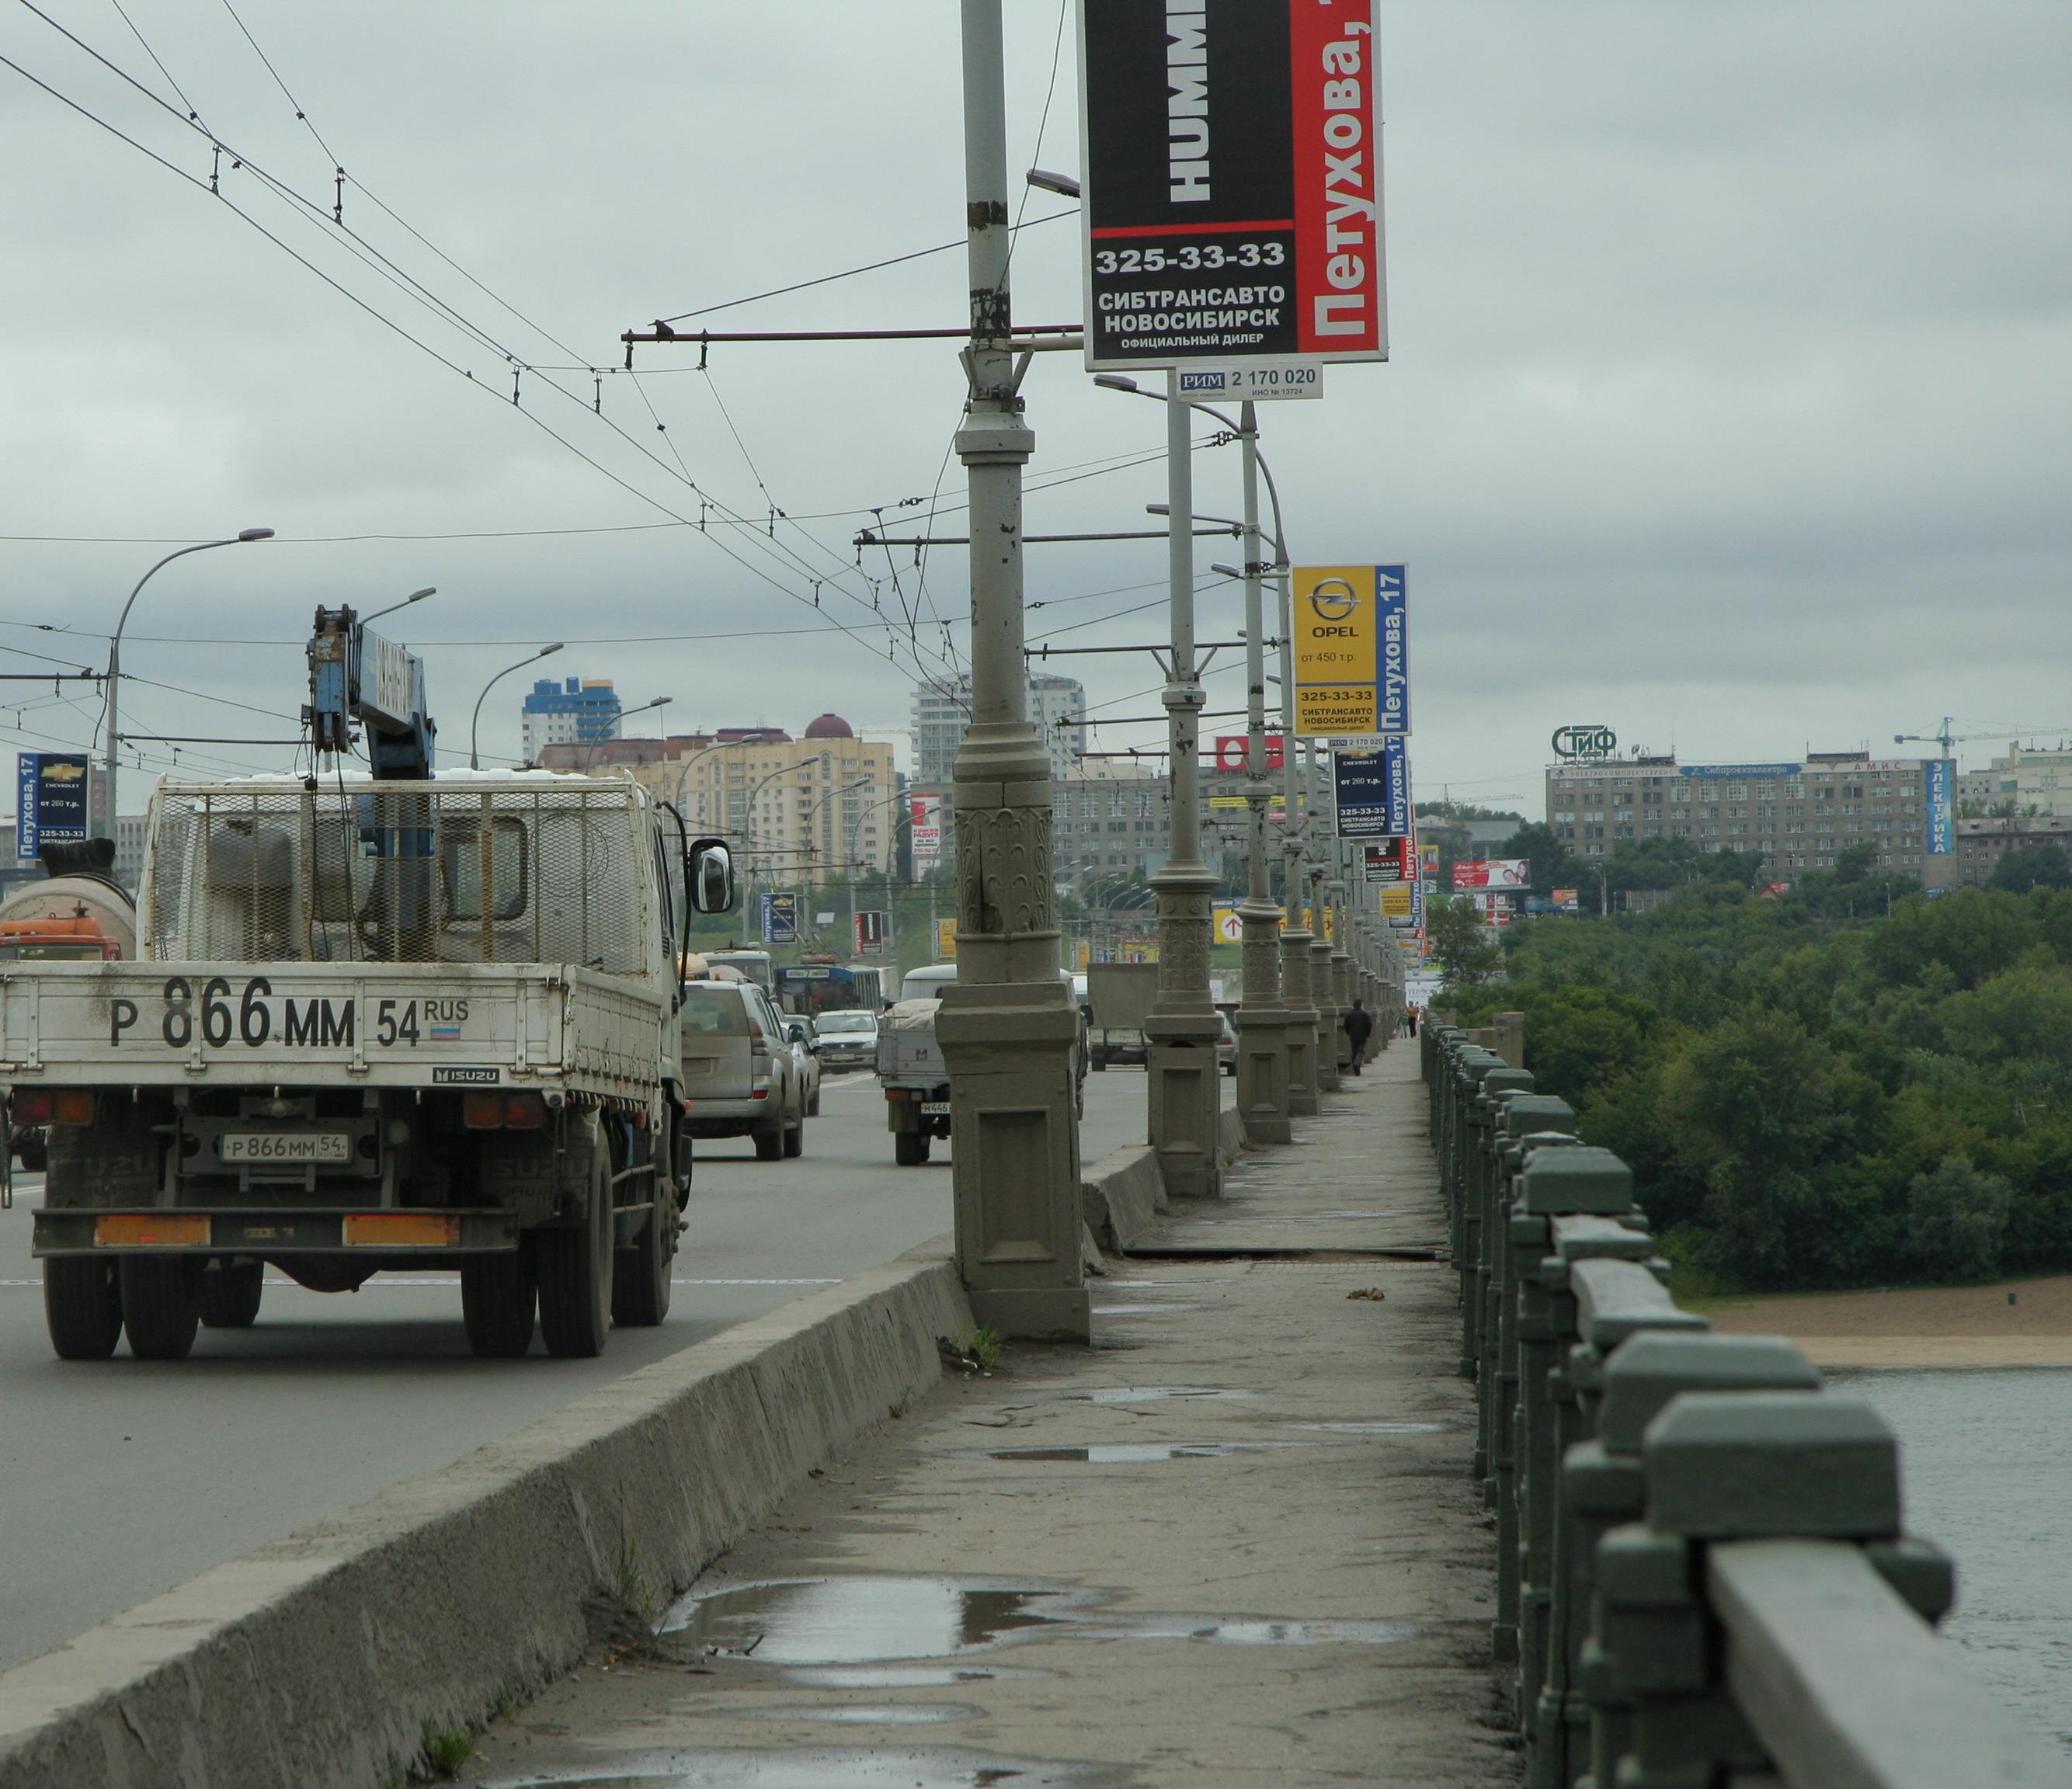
(119, 1478)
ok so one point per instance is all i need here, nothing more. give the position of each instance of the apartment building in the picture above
(1109, 815)
(1057, 708)
(1801, 814)
(801, 810)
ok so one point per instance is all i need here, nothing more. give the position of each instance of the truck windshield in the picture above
(714, 1012)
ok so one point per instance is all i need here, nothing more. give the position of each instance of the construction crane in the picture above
(1946, 739)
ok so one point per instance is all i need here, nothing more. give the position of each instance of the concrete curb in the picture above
(1121, 1196)
(313, 1660)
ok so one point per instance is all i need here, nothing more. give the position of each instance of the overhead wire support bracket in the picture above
(870, 537)
(1028, 338)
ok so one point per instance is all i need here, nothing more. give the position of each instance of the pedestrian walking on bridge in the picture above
(1358, 1024)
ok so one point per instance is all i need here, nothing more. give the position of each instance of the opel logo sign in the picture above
(1333, 599)
(1584, 742)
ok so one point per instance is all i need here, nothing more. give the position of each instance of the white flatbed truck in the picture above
(373, 1027)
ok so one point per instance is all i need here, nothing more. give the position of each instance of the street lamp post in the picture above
(475, 725)
(1267, 1060)
(1182, 1030)
(1295, 937)
(100, 823)
(1007, 1025)
(1262, 1019)
(1323, 849)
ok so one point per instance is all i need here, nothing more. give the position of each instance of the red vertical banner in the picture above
(1334, 59)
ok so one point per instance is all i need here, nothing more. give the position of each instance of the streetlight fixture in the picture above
(103, 826)
(415, 596)
(475, 726)
(1066, 185)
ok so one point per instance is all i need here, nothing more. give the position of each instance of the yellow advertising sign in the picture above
(946, 939)
(1395, 901)
(1351, 650)
(1083, 954)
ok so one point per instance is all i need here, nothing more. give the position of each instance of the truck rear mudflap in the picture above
(385, 1238)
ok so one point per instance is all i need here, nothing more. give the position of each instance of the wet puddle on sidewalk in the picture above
(859, 1621)
(822, 1767)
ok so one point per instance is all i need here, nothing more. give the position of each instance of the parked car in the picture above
(741, 1077)
(799, 1034)
(847, 1039)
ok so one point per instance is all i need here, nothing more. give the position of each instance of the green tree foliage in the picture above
(1465, 959)
(2044, 866)
(1848, 1084)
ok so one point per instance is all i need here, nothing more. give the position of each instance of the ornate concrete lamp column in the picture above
(1301, 1032)
(1262, 1021)
(1181, 1032)
(1007, 1025)
(1321, 990)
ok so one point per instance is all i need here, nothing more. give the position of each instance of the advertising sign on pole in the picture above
(51, 794)
(1351, 650)
(1395, 902)
(780, 918)
(1373, 792)
(1231, 750)
(1230, 928)
(1231, 158)
(924, 819)
(1386, 860)
(946, 938)
(870, 928)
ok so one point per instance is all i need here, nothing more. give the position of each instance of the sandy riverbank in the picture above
(1943, 1326)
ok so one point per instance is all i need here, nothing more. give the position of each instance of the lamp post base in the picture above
(1185, 1100)
(1262, 1074)
(1016, 1144)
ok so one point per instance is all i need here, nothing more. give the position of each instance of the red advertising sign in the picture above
(1231, 747)
(1231, 159)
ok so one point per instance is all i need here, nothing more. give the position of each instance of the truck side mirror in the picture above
(708, 868)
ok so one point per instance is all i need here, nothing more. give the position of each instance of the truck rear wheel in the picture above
(82, 1307)
(497, 1298)
(641, 1276)
(910, 1148)
(161, 1305)
(230, 1293)
(575, 1272)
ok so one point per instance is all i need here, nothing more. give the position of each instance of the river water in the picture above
(1986, 1474)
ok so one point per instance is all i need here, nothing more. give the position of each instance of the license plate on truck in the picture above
(935, 1108)
(286, 1146)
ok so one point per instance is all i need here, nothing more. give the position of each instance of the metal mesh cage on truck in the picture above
(398, 872)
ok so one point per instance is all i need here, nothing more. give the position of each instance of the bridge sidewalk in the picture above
(1233, 1542)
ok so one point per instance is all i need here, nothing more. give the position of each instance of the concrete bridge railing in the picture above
(1703, 1581)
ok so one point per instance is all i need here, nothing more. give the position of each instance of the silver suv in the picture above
(740, 1077)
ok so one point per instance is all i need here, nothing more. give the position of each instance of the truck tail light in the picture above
(52, 1105)
(524, 1111)
(482, 1111)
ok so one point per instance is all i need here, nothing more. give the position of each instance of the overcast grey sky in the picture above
(1733, 367)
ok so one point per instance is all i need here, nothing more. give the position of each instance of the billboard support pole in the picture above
(1185, 1092)
(1008, 1027)
(1262, 1022)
